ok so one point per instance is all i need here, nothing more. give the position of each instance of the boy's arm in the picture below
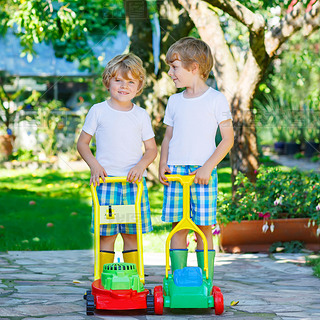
(203, 174)
(163, 167)
(97, 170)
(151, 151)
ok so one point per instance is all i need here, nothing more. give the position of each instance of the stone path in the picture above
(50, 285)
(301, 164)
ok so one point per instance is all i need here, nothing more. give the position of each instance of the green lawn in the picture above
(32, 200)
(315, 263)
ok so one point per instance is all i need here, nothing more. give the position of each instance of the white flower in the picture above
(313, 223)
(265, 227)
(309, 224)
(272, 227)
(278, 201)
(318, 231)
(318, 207)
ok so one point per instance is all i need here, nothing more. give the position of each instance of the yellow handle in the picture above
(96, 205)
(186, 222)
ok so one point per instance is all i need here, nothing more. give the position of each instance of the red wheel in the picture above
(158, 300)
(214, 289)
(157, 288)
(218, 302)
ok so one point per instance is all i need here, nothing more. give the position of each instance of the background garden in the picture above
(52, 56)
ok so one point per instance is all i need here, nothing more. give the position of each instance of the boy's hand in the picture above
(135, 174)
(163, 169)
(203, 175)
(97, 171)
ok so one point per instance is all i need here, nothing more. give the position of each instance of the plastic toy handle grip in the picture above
(182, 179)
(113, 179)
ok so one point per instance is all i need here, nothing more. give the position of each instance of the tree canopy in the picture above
(68, 25)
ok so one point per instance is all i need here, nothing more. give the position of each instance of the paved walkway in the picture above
(301, 164)
(49, 285)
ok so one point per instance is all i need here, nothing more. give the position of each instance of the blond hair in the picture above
(123, 64)
(191, 50)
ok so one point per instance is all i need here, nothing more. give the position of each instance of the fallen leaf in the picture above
(234, 303)
(76, 281)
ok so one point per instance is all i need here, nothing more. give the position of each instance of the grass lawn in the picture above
(315, 263)
(51, 210)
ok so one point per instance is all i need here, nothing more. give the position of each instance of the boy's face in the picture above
(181, 77)
(123, 88)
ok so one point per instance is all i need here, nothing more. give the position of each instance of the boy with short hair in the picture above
(120, 127)
(188, 148)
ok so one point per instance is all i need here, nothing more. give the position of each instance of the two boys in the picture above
(192, 118)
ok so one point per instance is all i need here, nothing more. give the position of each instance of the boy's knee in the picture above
(129, 241)
(107, 242)
(179, 239)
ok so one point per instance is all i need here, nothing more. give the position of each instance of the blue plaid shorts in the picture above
(122, 194)
(203, 199)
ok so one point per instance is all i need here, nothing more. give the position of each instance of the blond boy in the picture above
(121, 127)
(188, 148)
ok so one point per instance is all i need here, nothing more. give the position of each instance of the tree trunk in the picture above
(174, 24)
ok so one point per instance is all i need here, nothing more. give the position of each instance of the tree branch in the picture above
(235, 9)
(292, 22)
(312, 18)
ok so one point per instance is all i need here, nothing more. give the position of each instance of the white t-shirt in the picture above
(195, 122)
(119, 136)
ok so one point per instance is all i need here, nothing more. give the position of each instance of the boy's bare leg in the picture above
(207, 230)
(179, 239)
(129, 241)
(107, 242)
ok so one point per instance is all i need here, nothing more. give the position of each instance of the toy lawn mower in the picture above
(120, 286)
(190, 287)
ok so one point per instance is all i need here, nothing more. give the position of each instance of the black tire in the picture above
(88, 292)
(90, 304)
(150, 303)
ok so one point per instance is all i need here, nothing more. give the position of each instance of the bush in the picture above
(276, 194)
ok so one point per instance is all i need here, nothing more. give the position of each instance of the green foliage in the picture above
(300, 63)
(315, 158)
(68, 25)
(298, 90)
(286, 247)
(315, 263)
(283, 116)
(48, 119)
(298, 155)
(311, 125)
(7, 105)
(276, 194)
(23, 155)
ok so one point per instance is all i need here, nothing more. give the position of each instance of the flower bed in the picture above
(277, 194)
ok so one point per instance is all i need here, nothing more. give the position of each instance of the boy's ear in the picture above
(195, 67)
